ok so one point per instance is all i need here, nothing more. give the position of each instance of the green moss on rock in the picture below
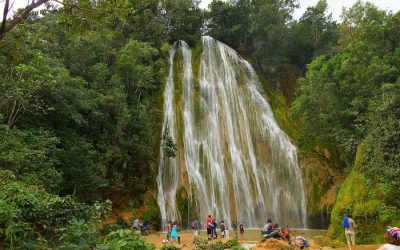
(367, 202)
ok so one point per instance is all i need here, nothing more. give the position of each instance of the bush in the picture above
(125, 239)
(80, 235)
(232, 243)
(170, 247)
(202, 244)
(30, 216)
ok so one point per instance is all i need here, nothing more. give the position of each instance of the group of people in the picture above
(272, 230)
(212, 226)
(143, 227)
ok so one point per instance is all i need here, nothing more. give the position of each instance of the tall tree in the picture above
(314, 34)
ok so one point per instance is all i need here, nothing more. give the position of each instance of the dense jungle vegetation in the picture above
(81, 88)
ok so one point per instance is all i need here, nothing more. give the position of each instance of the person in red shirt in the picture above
(209, 226)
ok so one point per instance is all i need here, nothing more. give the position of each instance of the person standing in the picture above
(169, 229)
(195, 227)
(209, 226)
(349, 226)
(241, 229)
(174, 232)
(215, 226)
(145, 227)
(234, 226)
(222, 227)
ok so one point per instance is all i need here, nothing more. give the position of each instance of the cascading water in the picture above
(233, 159)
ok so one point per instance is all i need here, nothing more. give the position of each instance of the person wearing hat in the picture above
(393, 239)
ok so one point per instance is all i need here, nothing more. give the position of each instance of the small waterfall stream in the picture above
(233, 159)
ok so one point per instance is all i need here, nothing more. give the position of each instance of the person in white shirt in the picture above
(136, 224)
(267, 228)
(349, 232)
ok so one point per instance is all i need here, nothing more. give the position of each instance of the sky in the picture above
(335, 6)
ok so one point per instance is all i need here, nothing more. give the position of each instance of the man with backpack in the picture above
(349, 226)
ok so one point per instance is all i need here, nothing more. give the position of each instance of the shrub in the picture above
(202, 244)
(125, 239)
(30, 216)
(232, 243)
(219, 245)
(170, 247)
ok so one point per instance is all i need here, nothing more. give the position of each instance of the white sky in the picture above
(335, 6)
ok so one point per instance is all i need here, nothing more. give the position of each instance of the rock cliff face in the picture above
(321, 184)
(321, 167)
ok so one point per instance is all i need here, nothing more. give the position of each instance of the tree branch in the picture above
(8, 25)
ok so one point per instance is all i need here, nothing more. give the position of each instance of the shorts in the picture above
(351, 238)
(209, 230)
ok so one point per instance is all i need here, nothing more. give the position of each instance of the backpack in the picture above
(346, 222)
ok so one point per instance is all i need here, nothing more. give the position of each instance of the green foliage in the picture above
(315, 34)
(30, 216)
(125, 239)
(168, 144)
(370, 210)
(151, 212)
(348, 102)
(382, 150)
(334, 98)
(203, 244)
(232, 243)
(229, 22)
(183, 20)
(29, 154)
(169, 247)
(375, 172)
(79, 235)
(200, 243)
(270, 32)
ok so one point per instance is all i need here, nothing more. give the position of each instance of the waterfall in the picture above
(233, 159)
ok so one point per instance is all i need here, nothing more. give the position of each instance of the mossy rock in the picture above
(367, 204)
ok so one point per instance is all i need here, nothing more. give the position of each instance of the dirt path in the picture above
(187, 243)
(186, 240)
